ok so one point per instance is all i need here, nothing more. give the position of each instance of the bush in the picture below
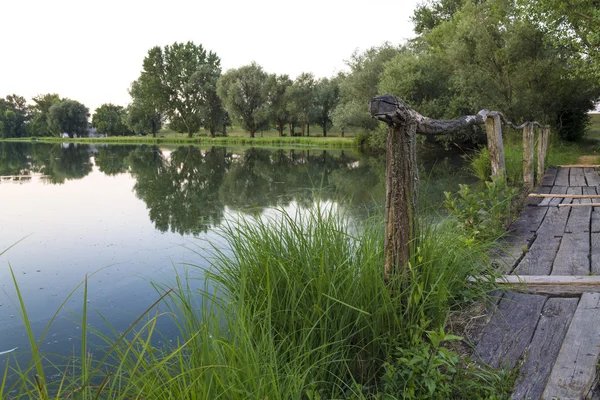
(482, 215)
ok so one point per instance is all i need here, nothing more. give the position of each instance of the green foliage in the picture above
(180, 81)
(109, 119)
(143, 116)
(40, 112)
(481, 215)
(68, 116)
(14, 115)
(361, 85)
(327, 94)
(301, 99)
(481, 167)
(243, 93)
(277, 100)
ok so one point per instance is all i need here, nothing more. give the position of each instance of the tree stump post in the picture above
(541, 153)
(493, 128)
(528, 155)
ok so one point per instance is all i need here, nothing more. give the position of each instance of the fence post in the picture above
(493, 128)
(542, 147)
(528, 154)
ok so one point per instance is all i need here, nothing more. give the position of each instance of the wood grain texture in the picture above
(576, 177)
(562, 177)
(549, 176)
(575, 368)
(591, 176)
(544, 347)
(510, 329)
(572, 257)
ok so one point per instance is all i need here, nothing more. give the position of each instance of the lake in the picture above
(126, 216)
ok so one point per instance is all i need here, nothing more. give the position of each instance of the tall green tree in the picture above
(68, 116)
(244, 95)
(360, 85)
(327, 95)
(40, 113)
(109, 119)
(180, 81)
(14, 115)
(277, 101)
(302, 100)
(143, 115)
(574, 24)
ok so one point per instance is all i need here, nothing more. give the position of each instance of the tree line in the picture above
(534, 60)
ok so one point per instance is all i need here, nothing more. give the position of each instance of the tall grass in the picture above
(294, 306)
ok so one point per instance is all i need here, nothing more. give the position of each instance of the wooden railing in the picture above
(401, 167)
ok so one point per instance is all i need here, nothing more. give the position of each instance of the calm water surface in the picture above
(129, 215)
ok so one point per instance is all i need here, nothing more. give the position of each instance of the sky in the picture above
(91, 50)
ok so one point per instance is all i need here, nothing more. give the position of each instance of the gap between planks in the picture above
(566, 196)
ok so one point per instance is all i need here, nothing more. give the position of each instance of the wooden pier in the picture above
(548, 321)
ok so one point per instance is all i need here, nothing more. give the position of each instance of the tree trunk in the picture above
(252, 132)
(342, 131)
(303, 128)
(307, 129)
(212, 132)
(325, 129)
(280, 128)
(190, 134)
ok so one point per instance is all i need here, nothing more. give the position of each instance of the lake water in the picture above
(126, 216)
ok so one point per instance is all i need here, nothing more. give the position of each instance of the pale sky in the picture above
(91, 50)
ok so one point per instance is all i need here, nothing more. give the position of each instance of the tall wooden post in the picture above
(528, 155)
(493, 128)
(542, 148)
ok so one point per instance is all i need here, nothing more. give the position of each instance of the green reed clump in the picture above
(294, 306)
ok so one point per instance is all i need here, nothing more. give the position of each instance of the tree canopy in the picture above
(244, 94)
(109, 120)
(68, 116)
(180, 81)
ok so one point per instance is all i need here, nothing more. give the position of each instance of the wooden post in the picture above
(542, 145)
(528, 154)
(493, 128)
(401, 171)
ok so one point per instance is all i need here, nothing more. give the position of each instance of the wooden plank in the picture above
(554, 222)
(534, 201)
(566, 196)
(595, 219)
(540, 257)
(576, 177)
(595, 253)
(528, 221)
(549, 176)
(580, 205)
(580, 216)
(544, 348)
(562, 177)
(510, 329)
(554, 201)
(555, 285)
(572, 257)
(574, 371)
(591, 176)
(579, 166)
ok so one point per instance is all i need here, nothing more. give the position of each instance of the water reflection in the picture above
(188, 189)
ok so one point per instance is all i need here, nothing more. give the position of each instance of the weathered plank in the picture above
(555, 221)
(551, 285)
(576, 177)
(554, 201)
(540, 257)
(572, 257)
(595, 253)
(533, 201)
(510, 329)
(595, 219)
(549, 176)
(591, 176)
(579, 217)
(574, 371)
(529, 221)
(493, 129)
(544, 347)
(562, 177)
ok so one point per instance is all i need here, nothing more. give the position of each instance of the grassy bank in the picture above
(295, 308)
